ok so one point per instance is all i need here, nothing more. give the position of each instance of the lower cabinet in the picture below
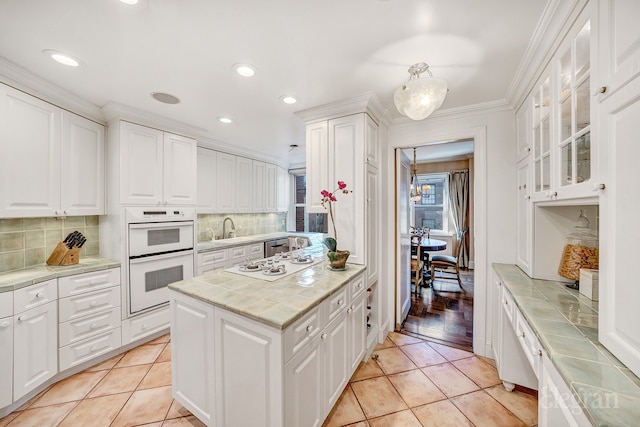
(6, 361)
(35, 346)
(229, 370)
(227, 258)
(556, 405)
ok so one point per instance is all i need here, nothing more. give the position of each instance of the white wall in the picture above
(493, 130)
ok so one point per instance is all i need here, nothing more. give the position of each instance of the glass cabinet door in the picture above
(574, 112)
(541, 102)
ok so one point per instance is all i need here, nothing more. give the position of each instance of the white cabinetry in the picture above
(206, 180)
(227, 258)
(524, 212)
(318, 171)
(6, 348)
(271, 187)
(157, 168)
(619, 207)
(243, 185)
(296, 375)
(283, 191)
(35, 343)
(225, 190)
(556, 404)
(257, 189)
(89, 316)
(511, 361)
(55, 159)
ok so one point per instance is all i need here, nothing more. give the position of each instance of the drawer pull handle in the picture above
(93, 326)
(323, 336)
(309, 328)
(4, 324)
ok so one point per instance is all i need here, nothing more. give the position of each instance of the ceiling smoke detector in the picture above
(165, 98)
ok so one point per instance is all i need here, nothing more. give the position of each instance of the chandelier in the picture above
(419, 97)
(415, 191)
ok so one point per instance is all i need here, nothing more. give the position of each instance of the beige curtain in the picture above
(459, 205)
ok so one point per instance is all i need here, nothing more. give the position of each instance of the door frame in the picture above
(403, 280)
(481, 331)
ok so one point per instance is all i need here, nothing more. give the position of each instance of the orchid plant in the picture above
(327, 202)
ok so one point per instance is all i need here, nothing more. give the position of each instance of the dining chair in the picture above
(448, 266)
(417, 263)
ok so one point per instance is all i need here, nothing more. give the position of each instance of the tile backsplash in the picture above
(246, 224)
(25, 242)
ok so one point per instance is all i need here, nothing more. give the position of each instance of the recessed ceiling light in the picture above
(62, 58)
(288, 99)
(165, 98)
(225, 120)
(129, 1)
(245, 70)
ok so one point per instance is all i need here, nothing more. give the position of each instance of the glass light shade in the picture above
(418, 98)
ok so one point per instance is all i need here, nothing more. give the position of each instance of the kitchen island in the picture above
(252, 352)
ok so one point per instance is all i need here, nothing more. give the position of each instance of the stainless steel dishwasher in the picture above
(272, 247)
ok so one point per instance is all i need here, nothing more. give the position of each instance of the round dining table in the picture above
(432, 245)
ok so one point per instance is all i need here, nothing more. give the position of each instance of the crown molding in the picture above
(23, 80)
(366, 103)
(114, 111)
(466, 110)
(556, 20)
(237, 150)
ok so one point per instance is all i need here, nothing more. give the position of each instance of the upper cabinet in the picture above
(53, 159)
(317, 164)
(157, 168)
(563, 154)
(207, 167)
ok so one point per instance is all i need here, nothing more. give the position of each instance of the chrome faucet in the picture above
(224, 229)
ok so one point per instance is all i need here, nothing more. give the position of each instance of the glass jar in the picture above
(580, 251)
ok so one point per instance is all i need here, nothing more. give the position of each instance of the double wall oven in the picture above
(160, 251)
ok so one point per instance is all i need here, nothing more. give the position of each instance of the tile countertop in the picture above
(206, 246)
(278, 303)
(13, 280)
(566, 324)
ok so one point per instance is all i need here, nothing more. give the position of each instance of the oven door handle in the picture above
(157, 225)
(158, 257)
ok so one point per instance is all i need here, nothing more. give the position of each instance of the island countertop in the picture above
(277, 303)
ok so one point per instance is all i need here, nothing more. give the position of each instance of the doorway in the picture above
(440, 309)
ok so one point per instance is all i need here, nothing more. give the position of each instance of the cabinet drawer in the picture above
(302, 331)
(89, 303)
(211, 267)
(87, 282)
(212, 257)
(357, 287)
(238, 252)
(145, 324)
(256, 251)
(76, 330)
(86, 350)
(35, 296)
(508, 306)
(529, 342)
(335, 303)
(6, 304)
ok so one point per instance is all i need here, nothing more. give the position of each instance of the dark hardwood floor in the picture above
(441, 315)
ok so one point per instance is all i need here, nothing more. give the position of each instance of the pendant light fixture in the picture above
(415, 191)
(420, 96)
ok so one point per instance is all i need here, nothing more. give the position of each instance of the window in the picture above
(432, 210)
(313, 223)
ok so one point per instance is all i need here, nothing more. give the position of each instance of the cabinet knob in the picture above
(93, 303)
(350, 310)
(527, 197)
(601, 89)
(353, 307)
(39, 295)
(93, 348)
(144, 326)
(528, 149)
(537, 352)
(360, 284)
(519, 187)
(505, 302)
(93, 326)
(67, 211)
(499, 283)
(323, 336)
(58, 212)
(524, 186)
(340, 302)
(598, 187)
(4, 324)
(522, 334)
(309, 328)
(20, 318)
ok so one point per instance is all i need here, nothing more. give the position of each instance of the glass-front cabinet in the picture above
(563, 157)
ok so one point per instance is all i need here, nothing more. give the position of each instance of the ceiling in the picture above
(319, 51)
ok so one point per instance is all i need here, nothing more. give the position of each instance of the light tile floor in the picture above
(411, 383)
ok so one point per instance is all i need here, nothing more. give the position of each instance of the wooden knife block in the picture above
(62, 255)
